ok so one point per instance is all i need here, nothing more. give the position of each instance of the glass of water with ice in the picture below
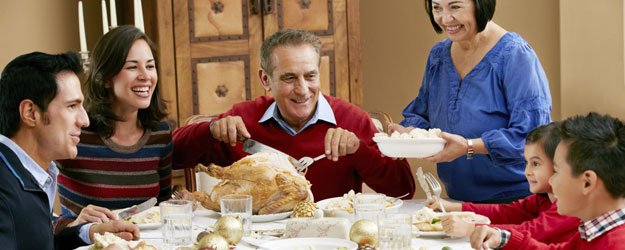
(238, 205)
(176, 220)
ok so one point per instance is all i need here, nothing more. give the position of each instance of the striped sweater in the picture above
(114, 176)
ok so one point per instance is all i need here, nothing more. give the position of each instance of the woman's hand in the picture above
(455, 226)
(92, 213)
(448, 205)
(455, 147)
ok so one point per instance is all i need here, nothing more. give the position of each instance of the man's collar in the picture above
(40, 175)
(323, 112)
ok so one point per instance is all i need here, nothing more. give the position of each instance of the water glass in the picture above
(176, 220)
(238, 205)
(369, 206)
(395, 232)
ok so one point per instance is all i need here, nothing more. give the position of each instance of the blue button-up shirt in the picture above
(323, 112)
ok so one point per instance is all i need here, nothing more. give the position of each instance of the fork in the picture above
(436, 188)
(306, 161)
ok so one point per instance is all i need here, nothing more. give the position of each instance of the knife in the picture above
(137, 209)
(423, 183)
(252, 146)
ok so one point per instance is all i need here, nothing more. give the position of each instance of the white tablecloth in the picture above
(205, 218)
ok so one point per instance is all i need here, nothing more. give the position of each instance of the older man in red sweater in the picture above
(299, 121)
(588, 183)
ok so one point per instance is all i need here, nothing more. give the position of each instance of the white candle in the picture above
(113, 13)
(138, 15)
(105, 22)
(81, 28)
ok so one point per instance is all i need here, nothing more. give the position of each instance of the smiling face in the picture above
(566, 187)
(59, 133)
(134, 85)
(456, 18)
(294, 83)
(539, 168)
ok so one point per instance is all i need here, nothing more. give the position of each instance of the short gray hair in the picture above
(287, 37)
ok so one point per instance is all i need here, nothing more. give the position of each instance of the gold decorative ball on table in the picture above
(304, 208)
(230, 228)
(213, 241)
(364, 232)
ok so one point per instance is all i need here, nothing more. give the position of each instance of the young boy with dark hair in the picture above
(588, 182)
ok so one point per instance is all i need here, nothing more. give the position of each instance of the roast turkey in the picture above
(271, 180)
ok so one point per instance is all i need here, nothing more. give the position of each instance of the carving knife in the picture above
(137, 209)
(423, 183)
(252, 146)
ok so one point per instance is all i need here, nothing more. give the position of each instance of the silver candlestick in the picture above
(84, 57)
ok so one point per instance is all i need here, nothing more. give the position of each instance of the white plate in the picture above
(151, 224)
(429, 234)
(148, 226)
(323, 205)
(271, 217)
(88, 247)
(310, 243)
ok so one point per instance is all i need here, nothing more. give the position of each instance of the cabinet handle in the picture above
(267, 7)
(255, 7)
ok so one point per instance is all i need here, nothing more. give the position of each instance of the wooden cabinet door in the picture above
(217, 44)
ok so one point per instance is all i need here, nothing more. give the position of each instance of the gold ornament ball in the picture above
(364, 232)
(213, 241)
(230, 228)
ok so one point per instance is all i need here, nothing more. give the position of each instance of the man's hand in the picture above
(340, 142)
(229, 129)
(95, 214)
(121, 229)
(455, 147)
(485, 237)
(455, 226)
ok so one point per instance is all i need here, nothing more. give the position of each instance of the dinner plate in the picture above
(271, 217)
(153, 223)
(310, 243)
(429, 233)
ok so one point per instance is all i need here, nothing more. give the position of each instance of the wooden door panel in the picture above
(220, 84)
(214, 18)
(313, 15)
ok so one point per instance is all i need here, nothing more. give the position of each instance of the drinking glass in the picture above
(369, 206)
(176, 220)
(394, 232)
(238, 205)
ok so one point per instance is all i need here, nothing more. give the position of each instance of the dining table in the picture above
(203, 219)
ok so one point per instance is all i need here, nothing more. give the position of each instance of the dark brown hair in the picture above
(107, 60)
(484, 11)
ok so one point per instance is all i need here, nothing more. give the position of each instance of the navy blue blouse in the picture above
(500, 100)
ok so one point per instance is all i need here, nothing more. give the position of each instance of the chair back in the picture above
(189, 173)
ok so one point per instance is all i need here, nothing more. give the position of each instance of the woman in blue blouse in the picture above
(486, 89)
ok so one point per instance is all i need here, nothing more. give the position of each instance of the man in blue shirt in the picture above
(41, 116)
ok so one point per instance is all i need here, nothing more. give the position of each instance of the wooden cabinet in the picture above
(209, 49)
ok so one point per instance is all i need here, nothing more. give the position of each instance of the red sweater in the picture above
(534, 214)
(194, 144)
(612, 240)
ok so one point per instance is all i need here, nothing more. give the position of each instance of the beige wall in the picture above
(47, 26)
(592, 61)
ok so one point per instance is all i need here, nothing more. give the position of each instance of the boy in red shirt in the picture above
(589, 172)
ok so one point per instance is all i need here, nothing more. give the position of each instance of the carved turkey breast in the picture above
(271, 180)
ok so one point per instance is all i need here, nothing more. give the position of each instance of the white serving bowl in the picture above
(409, 147)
